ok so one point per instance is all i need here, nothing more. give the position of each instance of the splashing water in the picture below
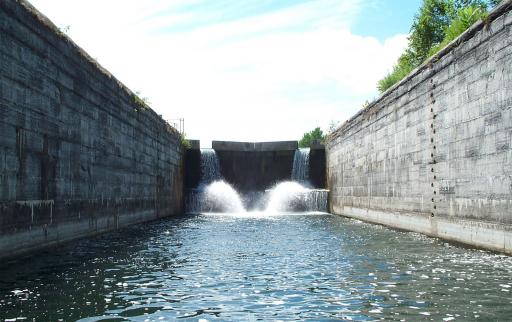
(284, 196)
(300, 170)
(209, 194)
(217, 196)
(317, 200)
(220, 196)
(288, 196)
(292, 196)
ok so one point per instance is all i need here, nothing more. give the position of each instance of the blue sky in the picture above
(377, 18)
(253, 70)
(386, 18)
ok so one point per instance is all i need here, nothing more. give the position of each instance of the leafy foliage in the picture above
(465, 18)
(309, 137)
(437, 23)
(406, 63)
(428, 28)
(184, 141)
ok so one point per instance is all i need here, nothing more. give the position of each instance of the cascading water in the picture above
(220, 196)
(296, 195)
(213, 194)
(292, 196)
(300, 170)
(210, 166)
(285, 196)
(316, 200)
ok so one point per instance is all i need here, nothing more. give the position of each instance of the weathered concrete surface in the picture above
(276, 146)
(256, 166)
(79, 154)
(192, 167)
(434, 153)
(317, 167)
(194, 144)
(254, 146)
(255, 170)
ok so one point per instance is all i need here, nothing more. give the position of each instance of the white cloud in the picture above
(267, 77)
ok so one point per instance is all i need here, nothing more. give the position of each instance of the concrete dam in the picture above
(253, 230)
(262, 176)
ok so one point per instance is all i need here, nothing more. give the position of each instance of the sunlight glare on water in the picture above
(243, 266)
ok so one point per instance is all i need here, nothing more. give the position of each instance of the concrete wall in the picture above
(192, 167)
(79, 154)
(255, 146)
(317, 171)
(250, 166)
(434, 153)
(256, 166)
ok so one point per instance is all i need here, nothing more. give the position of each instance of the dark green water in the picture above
(229, 268)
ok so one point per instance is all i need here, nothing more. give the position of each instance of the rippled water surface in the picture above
(252, 267)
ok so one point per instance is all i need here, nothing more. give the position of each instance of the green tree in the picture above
(406, 63)
(309, 137)
(436, 24)
(428, 28)
(494, 3)
(464, 19)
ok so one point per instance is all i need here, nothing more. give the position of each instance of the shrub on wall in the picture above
(437, 23)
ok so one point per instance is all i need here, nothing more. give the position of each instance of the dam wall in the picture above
(317, 166)
(250, 166)
(192, 165)
(80, 154)
(434, 153)
(255, 166)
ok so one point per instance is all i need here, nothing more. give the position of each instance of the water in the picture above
(210, 166)
(251, 266)
(216, 195)
(219, 196)
(316, 200)
(289, 196)
(292, 196)
(300, 170)
(213, 194)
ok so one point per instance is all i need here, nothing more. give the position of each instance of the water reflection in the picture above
(215, 266)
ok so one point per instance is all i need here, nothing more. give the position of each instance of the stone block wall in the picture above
(79, 153)
(434, 153)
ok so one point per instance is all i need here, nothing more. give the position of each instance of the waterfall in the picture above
(213, 194)
(210, 166)
(300, 170)
(216, 195)
(316, 200)
(292, 196)
(284, 196)
(220, 196)
(296, 195)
